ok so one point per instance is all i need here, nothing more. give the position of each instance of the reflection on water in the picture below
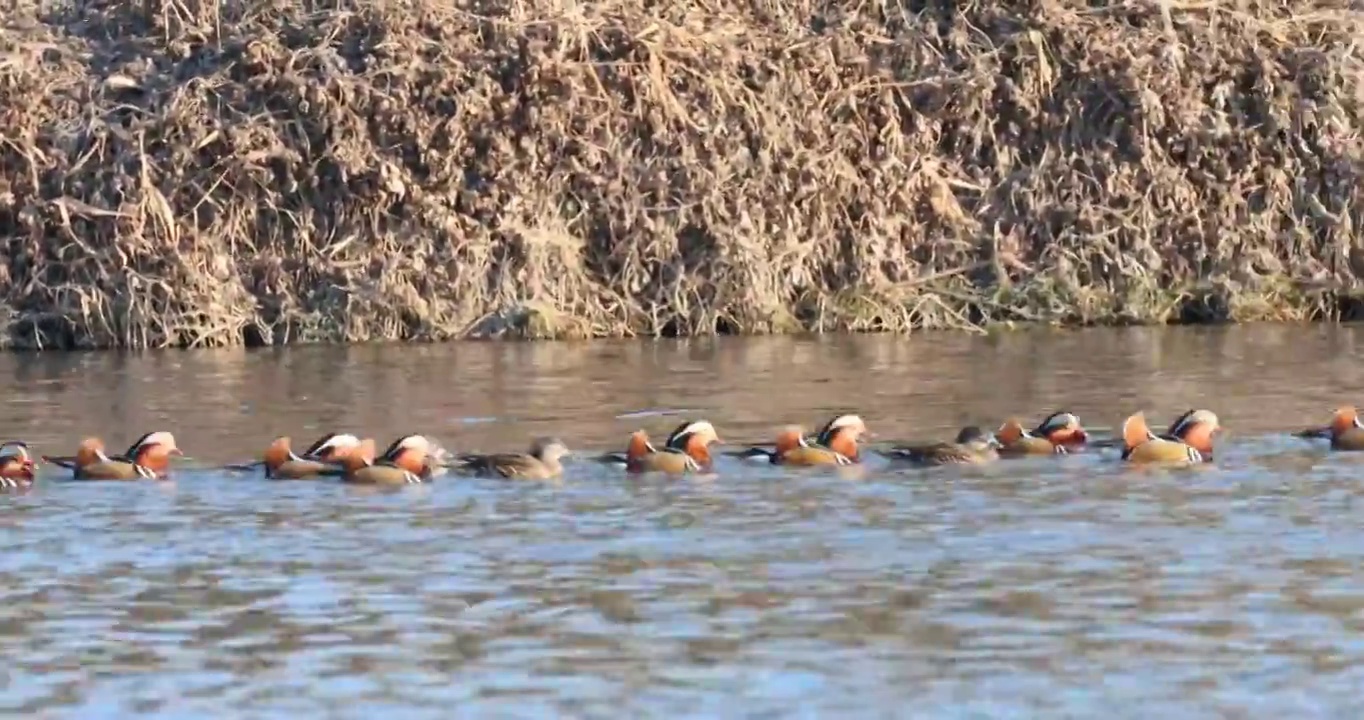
(1057, 586)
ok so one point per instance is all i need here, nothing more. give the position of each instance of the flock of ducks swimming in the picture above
(414, 459)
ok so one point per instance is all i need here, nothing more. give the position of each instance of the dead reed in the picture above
(200, 173)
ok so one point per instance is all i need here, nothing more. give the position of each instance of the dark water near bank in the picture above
(1056, 587)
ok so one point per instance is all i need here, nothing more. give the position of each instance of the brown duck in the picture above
(972, 446)
(1015, 441)
(16, 465)
(319, 459)
(540, 463)
(686, 451)
(795, 449)
(1196, 429)
(1347, 433)
(1140, 445)
(360, 467)
(148, 458)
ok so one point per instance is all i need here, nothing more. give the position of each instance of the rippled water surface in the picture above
(1054, 587)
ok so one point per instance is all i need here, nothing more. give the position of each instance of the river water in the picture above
(1068, 587)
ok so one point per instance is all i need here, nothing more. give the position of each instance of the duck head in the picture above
(90, 451)
(549, 450)
(16, 461)
(277, 453)
(639, 446)
(694, 438)
(1135, 432)
(975, 437)
(153, 451)
(1343, 420)
(332, 446)
(842, 433)
(1062, 428)
(790, 438)
(361, 457)
(409, 452)
(1196, 429)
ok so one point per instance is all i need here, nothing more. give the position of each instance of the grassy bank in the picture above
(184, 172)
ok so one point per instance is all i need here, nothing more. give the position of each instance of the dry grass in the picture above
(185, 172)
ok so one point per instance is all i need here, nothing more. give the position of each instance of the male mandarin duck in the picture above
(687, 450)
(319, 459)
(1062, 428)
(972, 446)
(1014, 441)
(540, 463)
(1140, 445)
(794, 448)
(1196, 429)
(1347, 433)
(148, 458)
(360, 467)
(841, 434)
(16, 465)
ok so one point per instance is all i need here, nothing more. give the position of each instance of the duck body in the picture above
(360, 467)
(1014, 441)
(1140, 445)
(794, 449)
(687, 450)
(319, 460)
(542, 462)
(146, 459)
(972, 446)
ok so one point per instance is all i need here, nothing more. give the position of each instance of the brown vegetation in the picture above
(187, 172)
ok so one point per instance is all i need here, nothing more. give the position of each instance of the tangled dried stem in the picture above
(184, 172)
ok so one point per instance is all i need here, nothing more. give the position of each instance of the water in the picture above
(1053, 586)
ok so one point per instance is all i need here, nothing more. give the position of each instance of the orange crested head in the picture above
(1344, 418)
(639, 445)
(89, 452)
(278, 453)
(790, 438)
(409, 452)
(1010, 432)
(1135, 431)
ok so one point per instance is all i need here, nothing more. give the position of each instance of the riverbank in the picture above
(263, 173)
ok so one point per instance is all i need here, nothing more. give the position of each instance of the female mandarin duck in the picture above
(148, 458)
(794, 448)
(1196, 429)
(360, 467)
(1063, 429)
(687, 450)
(1140, 445)
(16, 465)
(540, 463)
(1346, 431)
(319, 459)
(1014, 441)
(973, 446)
